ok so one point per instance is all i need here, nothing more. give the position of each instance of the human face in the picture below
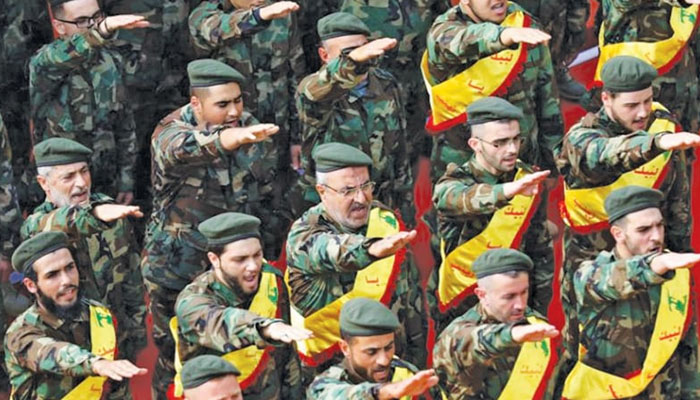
(350, 211)
(640, 232)
(370, 356)
(496, 145)
(219, 105)
(247, 4)
(57, 280)
(239, 265)
(222, 388)
(504, 297)
(67, 185)
(632, 110)
(77, 11)
(333, 47)
(485, 10)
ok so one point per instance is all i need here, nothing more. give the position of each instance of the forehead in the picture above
(634, 97)
(80, 8)
(645, 217)
(52, 261)
(501, 284)
(350, 176)
(226, 92)
(66, 169)
(242, 247)
(495, 130)
(372, 342)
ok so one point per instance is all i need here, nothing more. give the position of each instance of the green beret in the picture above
(490, 109)
(36, 247)
(202, 369)
(366, 317)
(208, 72)
(627, 74)
(629, 199)
(333, 156)
(229, 227)
(60, 151)
(340, 24)
(498, 261)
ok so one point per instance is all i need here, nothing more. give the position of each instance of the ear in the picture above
(323, 54)
(213, 259)
(30, 285)
(59, 27)
(43, 183)
(617, 233)
(344, 347)
(606, 98)
(480, 293)
(320, 189)
(473, 143)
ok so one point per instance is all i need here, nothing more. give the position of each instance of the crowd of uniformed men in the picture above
(156, 154)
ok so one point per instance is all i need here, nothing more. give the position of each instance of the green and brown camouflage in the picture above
(10, 215)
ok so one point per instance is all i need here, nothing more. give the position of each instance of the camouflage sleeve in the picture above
(633, 4)
(291, 370)
(75, 221)
(329, 388)
(676, 207)
(10, 216)
(133, 289)
(297, 71)
(210, 26)
(453, 42)
(602, 283)
(549, 119)
(412, 312)
(539, 246)
(125, 137)
(178, 146)
(690, 370)
(332, 81)
(453, 197)
(203, 321)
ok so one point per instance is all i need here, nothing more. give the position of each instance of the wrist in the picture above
(103, 30)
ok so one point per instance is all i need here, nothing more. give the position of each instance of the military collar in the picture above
(482, 175)
(369, 89)
(54, 322)
(232, 297)
(48, 206)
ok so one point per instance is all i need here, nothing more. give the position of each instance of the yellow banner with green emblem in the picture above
(400, 374)
(376, 281)
(583, 210)
(104, 344)
(249, 360)
(505, 230)
(588, 383)
(490, 76)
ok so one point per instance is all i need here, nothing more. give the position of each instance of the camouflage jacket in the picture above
(112, 252)
(76, 92)
(342, 382)
(475, 354)
(323, 258)
(267, 53)
(46, 357)
(336, 105)
(214, 319)
(616, 303)
(10, 216)
(466, 198)
(194, 178)
(455, 43)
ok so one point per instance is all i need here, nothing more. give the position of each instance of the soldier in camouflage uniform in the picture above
(46, 347)
(603, 146)
(351, 101)
(101, 236)
(368, 370)
(467, 197)
(475, 355)
(469, 32)
(328, 246)
(209, 376)
(261, 40)
(77, 92)
(619, 296)
(208, 157)
(214, 312)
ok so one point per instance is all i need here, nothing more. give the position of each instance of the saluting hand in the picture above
(126, 21)
(233, 138)
(670, 261)
(113, 212)
(278, 10)
(533, 332)
(281, 332)
(117, 369)
(528, 185)
(373, 49)
(391, 244)
(511, 36)
(678, 141)
(413, 386)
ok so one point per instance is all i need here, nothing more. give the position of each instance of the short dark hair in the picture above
(346, 336)
(199, 91)
(610, 93)
(58, 10)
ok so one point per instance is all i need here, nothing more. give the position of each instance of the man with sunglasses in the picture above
(350, 246)
(76, 91)
(490, 201)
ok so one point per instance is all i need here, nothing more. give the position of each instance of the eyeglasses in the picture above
(85, 22)
(351, 191)
(503, 142)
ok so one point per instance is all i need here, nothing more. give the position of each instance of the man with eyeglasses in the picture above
(350, 246)
(76, 92)
(491, 201)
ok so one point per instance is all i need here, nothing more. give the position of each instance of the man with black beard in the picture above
(65, 344)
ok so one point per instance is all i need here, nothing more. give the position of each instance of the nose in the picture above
(361, 196)
(80, 180)
(657, 234)
(233, 111)
(383, 358)
(65, 279)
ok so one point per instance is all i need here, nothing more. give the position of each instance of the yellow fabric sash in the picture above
(662, 55)
(506, 228)
(585, 382)
(400, 374)
(376, 281)
(104, 344)
(249, 360)
(583, 209)
(487, 77)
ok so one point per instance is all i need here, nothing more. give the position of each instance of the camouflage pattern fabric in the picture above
(308, 17)
(617, 303)
(466, 198)
(213, 319)
(10, 216)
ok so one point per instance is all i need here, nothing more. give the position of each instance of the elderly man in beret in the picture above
(635, 307)
(100, 233)
(351, 246)
(63, 346)
(629, 141)
(76, 91)
(492, 200)
(500, 348)
(352, 101)
(209, 157)
(210, 377)
(239, 310)
(370, 370)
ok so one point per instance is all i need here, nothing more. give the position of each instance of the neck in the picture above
(483, 164)
(469, 12)
(622, 252)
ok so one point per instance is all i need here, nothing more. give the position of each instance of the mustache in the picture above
(355, 206)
